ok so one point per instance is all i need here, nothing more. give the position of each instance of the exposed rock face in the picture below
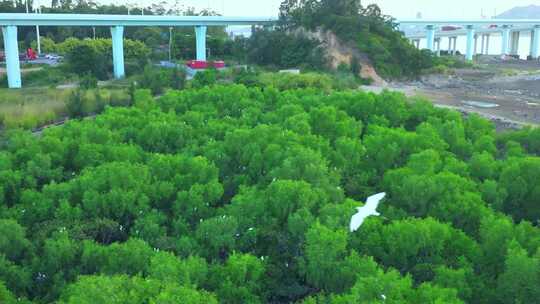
(339, 52)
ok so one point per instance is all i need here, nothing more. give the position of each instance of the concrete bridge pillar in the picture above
(482, 44)
(505, 40)
(11, 49)
(452, 45)
(117, 34)
(475, 43)
(200, 35)
(438, 46)
(514, 43)
(484, 47)
(470, 43)
(430, 37)
(535, 42)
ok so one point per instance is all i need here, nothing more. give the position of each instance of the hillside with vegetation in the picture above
(522, 12)
(227, 193)
(365, 28)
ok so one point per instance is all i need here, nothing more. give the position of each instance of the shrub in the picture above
(75, 104)
(155, 79)
(178, 80)
(99, 101)
(47, 45)
(287, 81)
(285, 50)
(248, 77)
(95, 56)
(86, 59)
(143, 99)
(205, 78)
(356, 68)
(343, 68)
(88, 81)
(131, 92)
(3, 81)
(119, 98)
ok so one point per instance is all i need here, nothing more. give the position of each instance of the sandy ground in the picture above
(507, 92)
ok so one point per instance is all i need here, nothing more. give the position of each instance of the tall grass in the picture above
(31, 107)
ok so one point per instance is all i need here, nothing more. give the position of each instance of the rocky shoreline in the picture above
(504, 91)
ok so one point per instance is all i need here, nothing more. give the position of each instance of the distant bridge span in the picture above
(126, 20)
(510, 29)
(10, 22)
(415, 29)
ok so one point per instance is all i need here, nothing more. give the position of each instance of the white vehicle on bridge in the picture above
(53, 57)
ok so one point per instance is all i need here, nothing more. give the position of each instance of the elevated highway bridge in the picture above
(415, 29)
(10, 22)
(434, 29)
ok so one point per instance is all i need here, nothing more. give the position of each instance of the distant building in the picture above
(419, 15)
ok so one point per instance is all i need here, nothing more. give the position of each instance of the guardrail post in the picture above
(117, 34)
(11, 48)
(470, 43)
(200, 35)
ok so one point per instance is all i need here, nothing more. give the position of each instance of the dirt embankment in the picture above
(339, 52)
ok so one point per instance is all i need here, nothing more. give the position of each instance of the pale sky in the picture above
(396, 8)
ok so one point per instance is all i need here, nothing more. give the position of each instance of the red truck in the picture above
(218, 64)
(200, 64)
(197, 64)
(29, 55)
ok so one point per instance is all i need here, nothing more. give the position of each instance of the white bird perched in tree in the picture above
(369, 209)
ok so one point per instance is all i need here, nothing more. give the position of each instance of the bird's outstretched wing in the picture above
(369, 209)
(373, 201)
(357, 220)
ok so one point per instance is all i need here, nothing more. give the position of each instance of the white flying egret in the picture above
(369, 209)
